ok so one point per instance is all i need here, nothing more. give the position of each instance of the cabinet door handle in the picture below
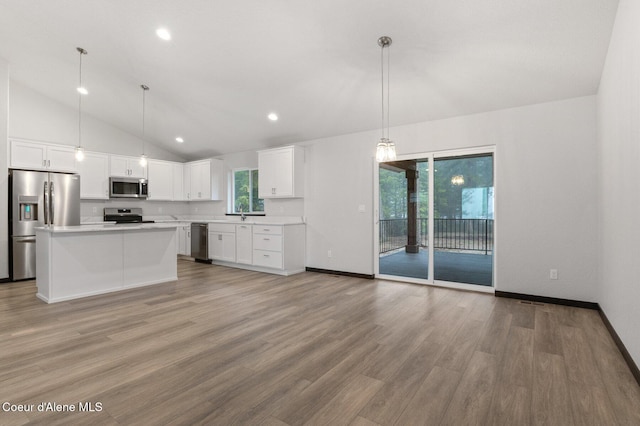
(44, 163)
(265, 255)
(267, 239)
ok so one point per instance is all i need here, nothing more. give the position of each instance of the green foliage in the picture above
(245, 184)
(477, 172)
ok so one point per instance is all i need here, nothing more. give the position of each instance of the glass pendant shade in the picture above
(143, 160)
(385, 150)
(79, 154)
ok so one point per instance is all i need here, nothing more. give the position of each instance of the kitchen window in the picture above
(245, 191)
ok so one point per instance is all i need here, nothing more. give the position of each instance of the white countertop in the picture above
(107, 227)
(234, 220)
(272, 222)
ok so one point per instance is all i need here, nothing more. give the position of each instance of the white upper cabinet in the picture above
(94, 176)
(178, 181)
(281, 172)
(42, 156)
(122, 166)
(160, 180)
(204, 180)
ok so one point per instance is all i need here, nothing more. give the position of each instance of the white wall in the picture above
(36, 117)
(619, 152)
(4, 180)
(546, 184)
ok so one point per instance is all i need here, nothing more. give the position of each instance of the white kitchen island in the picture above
(85, 260)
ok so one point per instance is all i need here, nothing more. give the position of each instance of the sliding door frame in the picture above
(431, 157)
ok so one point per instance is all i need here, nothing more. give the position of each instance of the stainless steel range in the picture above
(124, 215)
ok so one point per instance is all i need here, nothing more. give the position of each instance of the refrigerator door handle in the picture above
(30, 240)
(52, 203)
(46, 204)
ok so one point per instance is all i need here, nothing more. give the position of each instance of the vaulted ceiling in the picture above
(316, 63)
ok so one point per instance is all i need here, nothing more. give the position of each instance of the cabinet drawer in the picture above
(267, 229)
(222, 227)
(269, 259)
(267, 242)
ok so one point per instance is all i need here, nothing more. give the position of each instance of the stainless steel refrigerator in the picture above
(37, 199)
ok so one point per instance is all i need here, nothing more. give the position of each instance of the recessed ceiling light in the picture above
(163, 33)
(179, 139)
(82, 91)
(273, 116)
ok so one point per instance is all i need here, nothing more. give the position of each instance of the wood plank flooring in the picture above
(224, 346)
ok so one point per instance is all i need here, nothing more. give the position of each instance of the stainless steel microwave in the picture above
(122, 187)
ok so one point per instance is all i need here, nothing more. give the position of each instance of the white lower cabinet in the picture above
(222, 242)
(244, 244)
(279, 247)
(276, 249)
(184, 239)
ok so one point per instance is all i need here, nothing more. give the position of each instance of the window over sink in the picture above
(245, 191)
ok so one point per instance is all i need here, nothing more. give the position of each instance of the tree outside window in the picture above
(245, 192)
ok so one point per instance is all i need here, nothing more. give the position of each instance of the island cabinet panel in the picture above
(148, 257)
(72, 270)
(79, 261)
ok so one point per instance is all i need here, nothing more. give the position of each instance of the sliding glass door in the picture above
(436, 218)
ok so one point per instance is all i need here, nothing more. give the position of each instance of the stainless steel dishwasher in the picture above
(199, 242)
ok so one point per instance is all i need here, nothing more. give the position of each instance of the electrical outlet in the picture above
(553, 274)
(159, 209)
(95, 210)
(329, 254)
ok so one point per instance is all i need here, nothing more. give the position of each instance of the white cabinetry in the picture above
(222, 242)
(178, 181)
(160, 180)
(281, 172)
(42, 156)
(122, 166)
(280, 247)
(204, 180)
(94, 176)
(244, 244)
(184, 239)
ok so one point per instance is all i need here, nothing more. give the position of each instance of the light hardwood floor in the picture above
(226, 346)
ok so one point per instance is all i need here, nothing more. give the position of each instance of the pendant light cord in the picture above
(82, 52)
(144, 89)
(388, 87)
(382, 85)
(80, 106)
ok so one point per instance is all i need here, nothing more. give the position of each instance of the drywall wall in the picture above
(545, 193)
(619, 195)
(4, 180)
(34, 116)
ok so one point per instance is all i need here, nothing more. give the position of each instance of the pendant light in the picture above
(386, 149)
(143, 157)
(81, 91)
